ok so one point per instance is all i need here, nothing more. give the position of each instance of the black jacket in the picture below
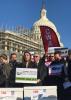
(69, 69)
(42, 71)
(30, 65)
(5, 72)
(2, 77)
(14, 65)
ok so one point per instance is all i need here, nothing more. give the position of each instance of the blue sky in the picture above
(25, 12)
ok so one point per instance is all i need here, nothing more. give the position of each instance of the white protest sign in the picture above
(26, 75)
(11, 93)
(40, 93)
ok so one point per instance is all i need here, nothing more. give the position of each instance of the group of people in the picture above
(51, 70)
(8, 69)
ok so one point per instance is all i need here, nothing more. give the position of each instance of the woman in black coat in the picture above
(38, 64)
(27, 63)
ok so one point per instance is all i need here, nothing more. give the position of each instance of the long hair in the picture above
(23, 57)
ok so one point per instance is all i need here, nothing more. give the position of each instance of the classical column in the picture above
(5, 46)
(21, 50)
(16, 48)
(11, 46)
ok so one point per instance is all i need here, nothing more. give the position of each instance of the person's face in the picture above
(36, 57)
(27, 57)
(57, 56)
(14, 58)
(52, 57)
(3, 60)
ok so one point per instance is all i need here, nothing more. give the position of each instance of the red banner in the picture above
(49, 37)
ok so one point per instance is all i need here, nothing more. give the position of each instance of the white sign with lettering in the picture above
(26, 75)
(11, 93)
(40, 93)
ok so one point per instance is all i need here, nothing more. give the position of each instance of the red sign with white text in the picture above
(49, 37)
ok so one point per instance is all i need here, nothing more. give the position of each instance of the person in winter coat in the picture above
(5, 70)
(27, 63)
(26, 60)
(56, 74)
(14, 64)
(42, 70)
(67, 91)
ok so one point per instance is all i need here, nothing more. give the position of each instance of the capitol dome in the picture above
(44, 21)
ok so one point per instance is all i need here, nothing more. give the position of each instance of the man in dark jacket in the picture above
(13, 60)
(42, 70)
(56, 73)
(14, 64)
(67, 91)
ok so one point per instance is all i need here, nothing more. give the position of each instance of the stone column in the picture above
(5, 46)
(11, 46)
(21, 50)
(16, 48)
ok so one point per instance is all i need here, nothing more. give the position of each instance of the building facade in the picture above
(17, 42)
